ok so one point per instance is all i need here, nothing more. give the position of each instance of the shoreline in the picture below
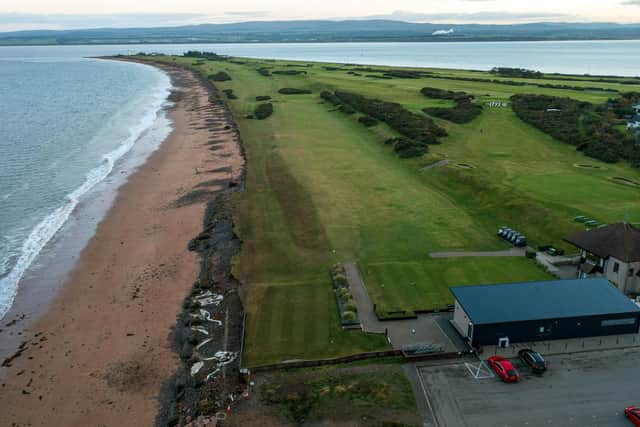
(102, 349)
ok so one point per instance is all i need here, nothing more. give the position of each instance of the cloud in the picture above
(475, 17)
(631, 3)
(11, 21)
(443, 32)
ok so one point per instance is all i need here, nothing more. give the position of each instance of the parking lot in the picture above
(581, 389)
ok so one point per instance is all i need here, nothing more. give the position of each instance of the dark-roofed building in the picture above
(612, 251)
(538, 311)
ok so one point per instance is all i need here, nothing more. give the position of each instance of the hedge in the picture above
(263, 98)
(294, 91)
(220, 76)
(465, 110)
(263, 111)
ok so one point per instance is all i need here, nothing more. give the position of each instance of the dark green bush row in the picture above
(368, 121)
(264, 71)
(263, 111)
(263, 98)
(375, 76)
(220, 76)
(293, 91)
(206, 55)
(414, 126)
(581, 124)
(407, 148)
(230, 94)
(464, 111)
(515, 83)
(289, 72)
(328, 96)
(516, 72)
(331, 68)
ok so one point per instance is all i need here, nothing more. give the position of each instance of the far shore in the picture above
(101, 350)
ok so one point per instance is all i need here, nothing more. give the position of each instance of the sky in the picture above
(68, 14)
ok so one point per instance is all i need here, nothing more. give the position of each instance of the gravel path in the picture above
(513, 252)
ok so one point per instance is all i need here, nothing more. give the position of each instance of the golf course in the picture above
(325, 184)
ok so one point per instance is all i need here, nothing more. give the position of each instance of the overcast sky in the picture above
(64, 14)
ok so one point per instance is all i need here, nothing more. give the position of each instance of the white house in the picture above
(636, 108)
(613, 252)
(634, 123)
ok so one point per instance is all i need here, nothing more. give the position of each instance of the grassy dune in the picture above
(323, 188)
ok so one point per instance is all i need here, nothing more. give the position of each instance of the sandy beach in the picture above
(101, 352)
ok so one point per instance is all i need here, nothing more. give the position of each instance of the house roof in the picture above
(517, 302)
(621, 241)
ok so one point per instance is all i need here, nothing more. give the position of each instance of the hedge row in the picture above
(294, 91)
(413, 126)
(515, 83)
(263, 98)
(289, 72)
(206, 55)
(465, 110)
(589, 128)
(516, 72)
(230, 94)
(264, 71)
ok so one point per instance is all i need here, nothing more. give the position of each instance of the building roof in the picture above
(516, 302)
(621, 241)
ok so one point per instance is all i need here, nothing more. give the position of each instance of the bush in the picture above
(407, 148)
(229, 93)
(289, 72)
(465, 110)
(413, 126)
(328, 96)
(263, 111)
(368, 121)
(347, 109)
(294, 91)
(340, 279)
(516, 72)
(206, 55)
(263, 98)
(264, 71)
(530, 254)
(350, 306)
(348, 316)
(343, 293)
(220, 76)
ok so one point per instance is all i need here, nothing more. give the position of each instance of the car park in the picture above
(633, 414)
(504, 369)
(512, 236)
(534, 360)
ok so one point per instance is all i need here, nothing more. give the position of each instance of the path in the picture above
(425, 329)
(444, 162)
(513, 252)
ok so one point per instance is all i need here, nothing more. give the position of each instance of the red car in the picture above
(504, 369)
(633, 413)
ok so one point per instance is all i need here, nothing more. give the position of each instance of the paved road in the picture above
(582, 389)
(513, 252)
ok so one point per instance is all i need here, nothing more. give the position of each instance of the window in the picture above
(616, 267)
(631, 272)
(618, 322)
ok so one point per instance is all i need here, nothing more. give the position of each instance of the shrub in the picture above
(263, 111)
(264, 71)
(516, 72)
(206, 55)
(340, 279)
(347, 109)
(229, 93)
(417, 127)
(350, 306)
(464, 111)
(220, 76)
(348, 316)
(289, 72)
(343, 293)
(407, 148)
(531, 254)
(263, 98)
(328, 96)
(368, 121)
(294, 91)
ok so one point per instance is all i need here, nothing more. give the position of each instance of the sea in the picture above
(69, 122)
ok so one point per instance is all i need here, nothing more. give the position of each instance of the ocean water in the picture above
(64, 124)
(602, 57)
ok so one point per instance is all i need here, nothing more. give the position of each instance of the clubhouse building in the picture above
(611, 252)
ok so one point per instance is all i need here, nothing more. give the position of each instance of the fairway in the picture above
(323, 188)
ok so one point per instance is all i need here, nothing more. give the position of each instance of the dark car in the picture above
(535, 361)
(521, 241)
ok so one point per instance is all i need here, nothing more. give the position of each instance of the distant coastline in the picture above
(323, 31)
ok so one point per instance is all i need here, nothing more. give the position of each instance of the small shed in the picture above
(536, 311)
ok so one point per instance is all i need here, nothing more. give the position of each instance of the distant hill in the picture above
(326, 31)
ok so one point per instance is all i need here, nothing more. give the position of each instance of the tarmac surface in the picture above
(580, 389)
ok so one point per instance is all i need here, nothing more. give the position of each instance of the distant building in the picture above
(612, 252)
(539, 311)
(636, 108)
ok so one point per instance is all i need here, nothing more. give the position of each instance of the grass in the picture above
(322, 188)
(373, 394)
(420, 285)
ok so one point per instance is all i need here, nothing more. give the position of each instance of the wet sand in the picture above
(101, 352)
